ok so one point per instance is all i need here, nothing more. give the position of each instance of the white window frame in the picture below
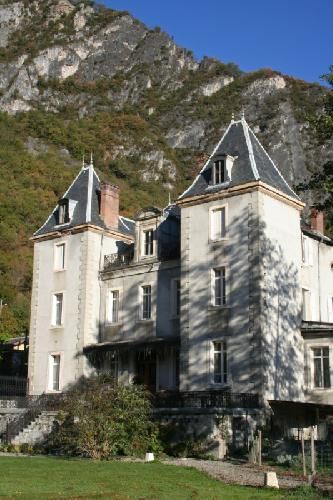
(51, 356)
(110, 319)
(212, 221)
(220, 166)
(307, 314)
(307, 251)
(312, 366)
(224, 371)
(144, 231)
(175, 307)
(141, 302)
(54, 323)
(330, 309)
(224, 301)
(62, 267)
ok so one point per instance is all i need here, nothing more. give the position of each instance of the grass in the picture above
(38, 477)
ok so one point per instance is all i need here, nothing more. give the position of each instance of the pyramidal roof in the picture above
(83, 204)
(250, 163)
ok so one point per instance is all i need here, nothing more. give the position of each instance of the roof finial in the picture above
(243, 114)
(232, 116)
(91, 160)
(83, 165)
(169, 198)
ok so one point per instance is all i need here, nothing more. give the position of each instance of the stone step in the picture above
(37, 430)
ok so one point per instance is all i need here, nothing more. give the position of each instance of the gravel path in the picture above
(236, 473)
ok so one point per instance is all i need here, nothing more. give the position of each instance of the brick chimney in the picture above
(317, 220)
(110, 204)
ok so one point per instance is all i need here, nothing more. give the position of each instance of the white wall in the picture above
(80, 285)
(201, 322)
(317, 277)
(281, 257)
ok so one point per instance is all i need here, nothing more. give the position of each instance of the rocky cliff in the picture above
(76, 77)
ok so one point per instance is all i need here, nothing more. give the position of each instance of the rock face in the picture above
(76, 77)
(60, 53)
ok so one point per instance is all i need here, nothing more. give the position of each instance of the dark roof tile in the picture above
(251, 162)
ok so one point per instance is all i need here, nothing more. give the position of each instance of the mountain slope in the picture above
(76, 78)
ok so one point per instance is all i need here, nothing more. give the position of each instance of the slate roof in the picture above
(84, 190)
(252, 163)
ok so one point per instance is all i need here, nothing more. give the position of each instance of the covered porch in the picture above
(153, 362)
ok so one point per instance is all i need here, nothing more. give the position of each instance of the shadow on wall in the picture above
(261, 320)
(282, 343)
(262, 317)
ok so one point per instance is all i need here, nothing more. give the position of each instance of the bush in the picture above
(100, 419)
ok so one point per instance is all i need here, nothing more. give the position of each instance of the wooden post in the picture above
(259, 448)
(313, 462)
(303, 452)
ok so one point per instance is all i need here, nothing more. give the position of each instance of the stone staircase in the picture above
(37, 430)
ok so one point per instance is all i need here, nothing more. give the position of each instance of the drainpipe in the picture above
(319, 280)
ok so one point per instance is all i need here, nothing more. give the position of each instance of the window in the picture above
(57, 309)
(321, 367)
(113, 306)
(307, 251)
(146, 302)
(148, 242)
(176, 297)
(54, 372)
(59, 261)
(218, 223)
(219, 172)
(219, 286)
(306, 304)
(220, 363)
(63, 212)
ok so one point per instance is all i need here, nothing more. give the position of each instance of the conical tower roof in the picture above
(250, 162)
(82, 198)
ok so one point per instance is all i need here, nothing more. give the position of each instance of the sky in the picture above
(291, 36)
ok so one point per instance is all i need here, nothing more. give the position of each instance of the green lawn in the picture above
(38, 477)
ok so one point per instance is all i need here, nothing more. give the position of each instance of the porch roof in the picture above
(148, 343)
(315, 329)
(298, 409)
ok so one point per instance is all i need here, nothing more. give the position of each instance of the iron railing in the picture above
(206, 400)
(115, 261)
(13, 386)
(34, 406)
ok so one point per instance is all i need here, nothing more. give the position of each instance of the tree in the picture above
(9, 325)
(321, 182)
(100, 419)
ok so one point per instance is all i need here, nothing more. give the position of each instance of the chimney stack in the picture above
(317, 220)
(110, 204)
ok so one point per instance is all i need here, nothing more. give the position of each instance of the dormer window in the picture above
(148, 242)
(66, 208)
(63, 212)
(219, 172)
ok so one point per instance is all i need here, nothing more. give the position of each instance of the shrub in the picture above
(100, 419)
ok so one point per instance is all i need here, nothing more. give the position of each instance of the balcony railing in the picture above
(205, 400)
(115, 261)
(12, 386)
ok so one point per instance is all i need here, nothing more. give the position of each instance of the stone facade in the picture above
(207, 296)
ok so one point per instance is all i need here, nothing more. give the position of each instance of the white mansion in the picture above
(222, 291)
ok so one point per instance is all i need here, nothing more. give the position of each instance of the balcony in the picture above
(214, 399)
(117, 261)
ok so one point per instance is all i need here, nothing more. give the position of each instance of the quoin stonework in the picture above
(224, 294)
